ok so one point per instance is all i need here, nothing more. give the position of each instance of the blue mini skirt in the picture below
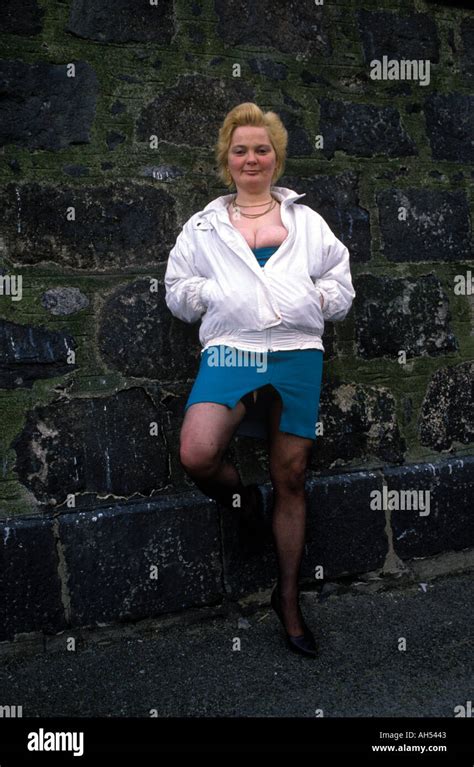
(226, 374)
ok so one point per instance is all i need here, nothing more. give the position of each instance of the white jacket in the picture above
(212, 271)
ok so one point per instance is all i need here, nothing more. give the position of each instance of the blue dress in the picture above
(226, 375)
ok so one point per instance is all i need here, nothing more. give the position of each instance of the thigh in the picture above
(209, 426)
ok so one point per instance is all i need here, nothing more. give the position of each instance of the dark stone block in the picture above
(449, 525)
(359, 422)
(29, 580)
(139, 336)
(29, 353)
(467, 56)
(390, 34)
(409, 314)
(344, 534)
(289, 27)
(119, 21)
(363, 130)
(25, 18)
(92, 447)
(447, 413)
(42, 108)
(110, 555)
(336, 199)
(116, 227)
(450, 126)
(64, 301)
(177, 115)
(436, 225)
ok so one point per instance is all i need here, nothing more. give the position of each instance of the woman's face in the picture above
(251, 159)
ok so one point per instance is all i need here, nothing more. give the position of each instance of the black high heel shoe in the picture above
(305, 644)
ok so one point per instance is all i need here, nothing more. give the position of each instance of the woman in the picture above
(263, 273)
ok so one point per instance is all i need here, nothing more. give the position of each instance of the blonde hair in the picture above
(250, 114)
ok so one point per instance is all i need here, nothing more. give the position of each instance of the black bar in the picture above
(331, 736)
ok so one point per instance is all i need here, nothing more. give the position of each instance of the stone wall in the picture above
(94, 371)
(109, 112)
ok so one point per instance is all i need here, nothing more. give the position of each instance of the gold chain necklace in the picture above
(273, 202)
(260, 205)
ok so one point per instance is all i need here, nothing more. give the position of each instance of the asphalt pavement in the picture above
(386, 650)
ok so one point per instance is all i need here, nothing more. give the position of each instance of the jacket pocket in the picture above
(299, 303)
(230, 309)
(211, 292)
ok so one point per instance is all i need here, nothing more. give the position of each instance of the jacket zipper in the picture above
(268, 340)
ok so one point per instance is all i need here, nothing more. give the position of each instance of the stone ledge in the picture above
(94, 568)
(419, 574)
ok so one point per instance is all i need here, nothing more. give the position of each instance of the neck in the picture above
(253, 198)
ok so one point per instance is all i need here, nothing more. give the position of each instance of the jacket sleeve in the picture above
(334, 281)
(183, 284)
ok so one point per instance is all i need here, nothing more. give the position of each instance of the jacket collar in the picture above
(218, 206)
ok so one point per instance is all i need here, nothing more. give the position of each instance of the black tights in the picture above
(288, 536)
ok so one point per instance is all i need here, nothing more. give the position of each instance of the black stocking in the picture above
(223, 491)
(289, 534)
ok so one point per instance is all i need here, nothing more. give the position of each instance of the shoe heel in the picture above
(304, 644)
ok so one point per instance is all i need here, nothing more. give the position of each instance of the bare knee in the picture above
(290, 480)
(199, 460)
